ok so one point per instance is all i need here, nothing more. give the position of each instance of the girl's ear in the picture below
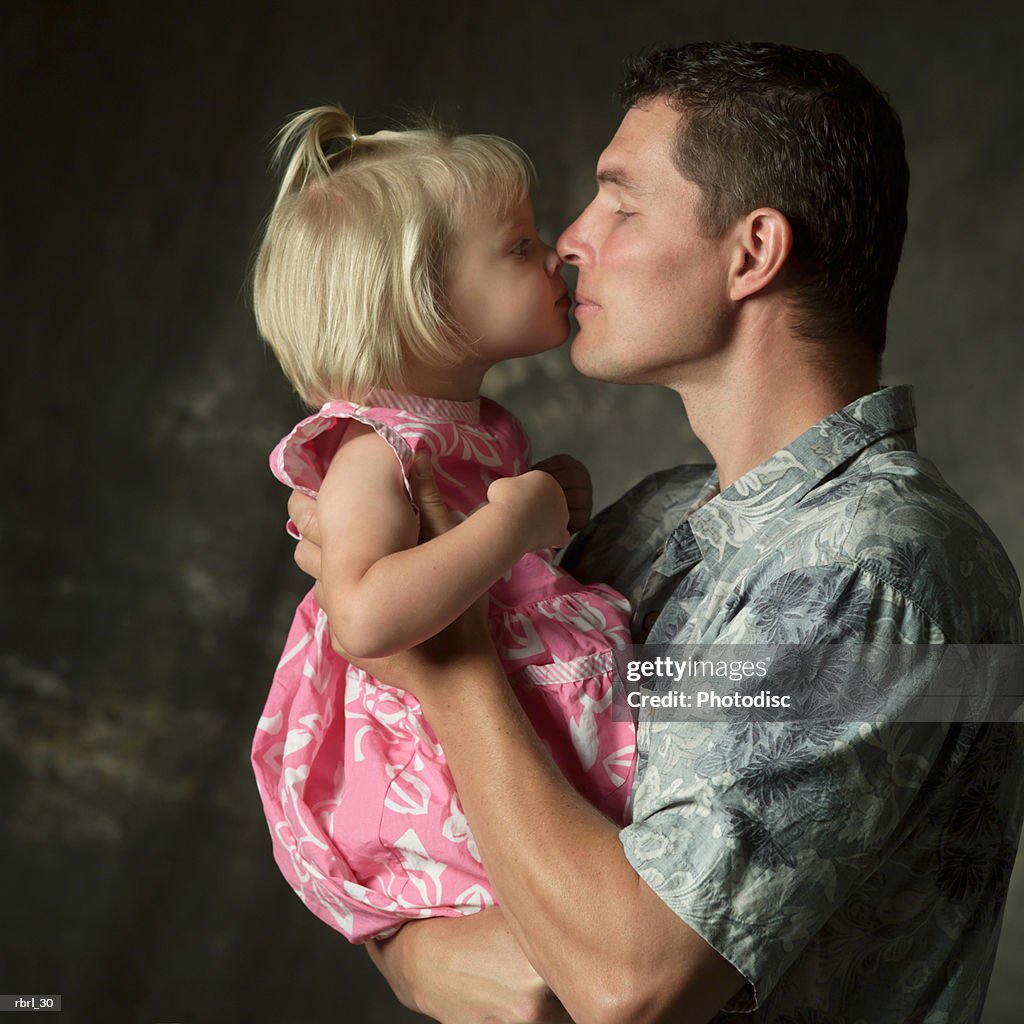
(764, 239)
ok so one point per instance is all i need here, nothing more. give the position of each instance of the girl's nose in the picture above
(552, 261)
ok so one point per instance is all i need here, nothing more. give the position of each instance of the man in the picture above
(741, 250)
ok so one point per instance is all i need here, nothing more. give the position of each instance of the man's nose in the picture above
(568, 244)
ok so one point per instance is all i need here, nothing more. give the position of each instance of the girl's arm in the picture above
(384, 593)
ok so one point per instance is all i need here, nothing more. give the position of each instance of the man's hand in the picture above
(574, 479)
(302, 512)
(466, 970)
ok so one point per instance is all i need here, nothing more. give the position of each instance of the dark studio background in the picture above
(148, 580)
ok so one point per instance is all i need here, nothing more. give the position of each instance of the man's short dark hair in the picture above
(807, 134)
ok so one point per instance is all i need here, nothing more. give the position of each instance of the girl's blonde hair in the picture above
(349, 279)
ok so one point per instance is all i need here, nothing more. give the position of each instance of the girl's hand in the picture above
(536, 505)
(574, 479)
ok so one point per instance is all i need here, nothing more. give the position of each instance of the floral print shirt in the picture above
(853, 873)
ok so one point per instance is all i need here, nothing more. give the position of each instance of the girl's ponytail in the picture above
(309, 143)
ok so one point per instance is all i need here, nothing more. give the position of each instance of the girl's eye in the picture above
(522, 247)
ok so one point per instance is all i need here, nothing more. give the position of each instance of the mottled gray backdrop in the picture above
(147, 576)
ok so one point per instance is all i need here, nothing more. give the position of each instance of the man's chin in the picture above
(578, 357)
(610, 374)
(587, 363)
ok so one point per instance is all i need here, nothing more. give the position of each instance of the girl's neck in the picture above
(454, 384)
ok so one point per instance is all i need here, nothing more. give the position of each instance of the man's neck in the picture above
(764, 393)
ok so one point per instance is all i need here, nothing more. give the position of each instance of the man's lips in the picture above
(584, 304)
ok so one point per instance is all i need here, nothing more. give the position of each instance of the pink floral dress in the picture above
(365, 821)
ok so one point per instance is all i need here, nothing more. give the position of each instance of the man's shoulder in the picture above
(891, 516)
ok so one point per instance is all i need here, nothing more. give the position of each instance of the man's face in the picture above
(651, 299)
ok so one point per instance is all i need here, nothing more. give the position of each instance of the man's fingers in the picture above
(572, 476)
(435, 518)
(581, 504)
(302, 512)
(565, 469)
(578, 518)
(307, 557)
(577, 495)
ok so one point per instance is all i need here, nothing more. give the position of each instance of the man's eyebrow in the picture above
(617, 176)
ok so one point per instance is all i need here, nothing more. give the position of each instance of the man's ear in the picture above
(764, 239)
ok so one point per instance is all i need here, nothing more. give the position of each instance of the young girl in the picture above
(396, 269)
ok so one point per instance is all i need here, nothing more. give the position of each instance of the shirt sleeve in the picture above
(755, 832)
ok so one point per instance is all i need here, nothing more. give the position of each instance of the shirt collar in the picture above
(721, 522)
(422, 405)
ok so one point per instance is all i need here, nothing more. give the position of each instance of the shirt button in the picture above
(648, 624)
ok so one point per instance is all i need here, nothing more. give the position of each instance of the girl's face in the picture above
(505, 289)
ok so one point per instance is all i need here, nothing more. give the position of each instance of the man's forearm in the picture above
(468, 969)
(608, 946)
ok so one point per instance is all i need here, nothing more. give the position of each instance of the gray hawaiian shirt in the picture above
(855, 872)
